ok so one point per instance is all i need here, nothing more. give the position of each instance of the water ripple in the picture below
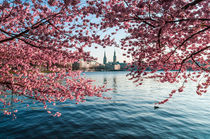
(129, 114)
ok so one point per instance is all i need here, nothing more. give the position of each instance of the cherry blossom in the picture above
(39, 42)
(171, 36)
(40, 36)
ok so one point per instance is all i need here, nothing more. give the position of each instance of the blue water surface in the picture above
(129, 114)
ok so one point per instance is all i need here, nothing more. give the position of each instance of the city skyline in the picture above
(99, 54)
(114, 60)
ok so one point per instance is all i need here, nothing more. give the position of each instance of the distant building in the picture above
(85, 65)
(95, 66)
(114, 65)
(117, 67)
(105, 59)
(114, 58)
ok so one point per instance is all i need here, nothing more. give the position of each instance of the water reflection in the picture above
(114, 83)
(105, 80)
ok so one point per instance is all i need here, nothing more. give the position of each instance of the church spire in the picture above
(114, 57)
(105, 59)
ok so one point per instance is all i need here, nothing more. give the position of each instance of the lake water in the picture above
(129, 114)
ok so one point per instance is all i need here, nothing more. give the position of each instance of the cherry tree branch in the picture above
(199, 65)
(192, 4)
(138, 18)
(191, 56)
(159, 33)
(195, 53)
(203, 30)
(35, 26)
(193, 36)
(9, 83)
(188, 19)
(3, 18)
